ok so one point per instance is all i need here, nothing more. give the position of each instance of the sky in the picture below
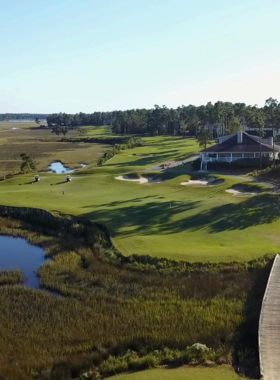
(103, 55)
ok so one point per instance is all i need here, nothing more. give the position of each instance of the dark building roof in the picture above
(248, 145)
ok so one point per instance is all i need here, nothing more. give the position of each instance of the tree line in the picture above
(22, 116)
(217, 119)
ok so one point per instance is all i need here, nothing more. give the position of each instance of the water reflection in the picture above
(59, 168)
(17, 253)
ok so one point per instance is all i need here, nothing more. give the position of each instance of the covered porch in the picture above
(230, 157)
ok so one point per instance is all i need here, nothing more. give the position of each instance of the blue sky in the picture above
(98, 55)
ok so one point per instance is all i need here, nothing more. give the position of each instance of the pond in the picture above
(17, 253)
(59, 168)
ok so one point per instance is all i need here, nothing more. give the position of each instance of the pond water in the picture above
(59, 168)
(17, 253)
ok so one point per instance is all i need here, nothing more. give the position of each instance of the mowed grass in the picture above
(44, 147)
(163, 220)
(91, 131)
(154, 151)
(183, 373)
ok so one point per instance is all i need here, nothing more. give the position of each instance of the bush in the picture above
(114, 365)
(216, 165)
(196, 164)
(131, 143)
(242, 163)
(253, 162)
(133, 361)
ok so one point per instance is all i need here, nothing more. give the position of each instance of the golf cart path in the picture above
(269, 326)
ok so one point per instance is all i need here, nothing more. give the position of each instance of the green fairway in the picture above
(164, 220)
(95, 131)
(216, 373)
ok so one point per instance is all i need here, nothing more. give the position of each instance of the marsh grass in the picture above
(44, 147)
(11, 277)
(107, 307)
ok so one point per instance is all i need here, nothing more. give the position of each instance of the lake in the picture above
(17, 253)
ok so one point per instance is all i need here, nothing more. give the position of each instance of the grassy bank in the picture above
(217, 373)
(106, 308)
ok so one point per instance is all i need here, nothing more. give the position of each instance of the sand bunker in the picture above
(241, 191)
(203, 182)
(141, 180)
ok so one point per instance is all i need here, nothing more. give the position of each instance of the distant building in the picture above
(237, 146)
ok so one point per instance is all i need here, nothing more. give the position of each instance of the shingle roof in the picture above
(249, 145)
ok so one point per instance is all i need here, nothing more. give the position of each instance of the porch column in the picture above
(231, 157)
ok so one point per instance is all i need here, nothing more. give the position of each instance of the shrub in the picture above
(196, 164)
(217, 165)
(243, 163)
(133, 361)
(253, 162)
(131, 143)
(114, 365)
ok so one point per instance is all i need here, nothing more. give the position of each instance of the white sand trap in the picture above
(203, 182)
(240, 191)
(140, 180)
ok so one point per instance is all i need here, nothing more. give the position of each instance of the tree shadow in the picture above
(27, 183)
(117, 203)
(58, 183)
(153, 159)
(261, 209)
(147, 217)
(142, 218)
(246, 347)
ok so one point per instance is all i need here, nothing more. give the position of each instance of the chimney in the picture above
(239, 137)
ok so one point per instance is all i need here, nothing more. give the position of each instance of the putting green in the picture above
(164, 220)
(216, 373)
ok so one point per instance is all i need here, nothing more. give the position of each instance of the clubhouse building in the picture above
(237, 146)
